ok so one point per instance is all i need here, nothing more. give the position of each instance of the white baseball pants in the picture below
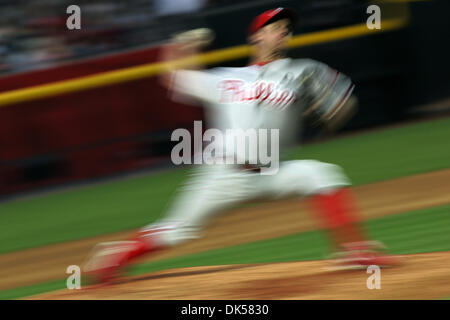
(214, 188)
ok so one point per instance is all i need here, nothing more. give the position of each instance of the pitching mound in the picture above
(420, 276)
(242, 225)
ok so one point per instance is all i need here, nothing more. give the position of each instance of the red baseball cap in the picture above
(272, 15)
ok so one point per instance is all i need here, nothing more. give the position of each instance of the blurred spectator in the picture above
(33, 34)
(171, 7)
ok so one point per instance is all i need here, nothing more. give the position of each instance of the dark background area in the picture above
(126, 127)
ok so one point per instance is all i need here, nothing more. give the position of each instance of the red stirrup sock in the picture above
(144, 242)
(339, 215)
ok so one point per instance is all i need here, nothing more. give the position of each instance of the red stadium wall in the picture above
(89, 133)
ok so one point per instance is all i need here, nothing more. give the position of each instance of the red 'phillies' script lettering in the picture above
(238, 91)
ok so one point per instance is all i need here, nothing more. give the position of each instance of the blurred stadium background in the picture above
(125, 126)
(81, 106)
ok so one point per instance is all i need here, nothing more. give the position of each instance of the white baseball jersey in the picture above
(252, 97)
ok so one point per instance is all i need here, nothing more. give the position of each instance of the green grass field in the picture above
(130, 203)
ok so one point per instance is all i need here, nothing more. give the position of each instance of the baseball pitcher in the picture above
(272, 92)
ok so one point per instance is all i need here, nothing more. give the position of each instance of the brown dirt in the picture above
(264, 221)
(420, 276)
